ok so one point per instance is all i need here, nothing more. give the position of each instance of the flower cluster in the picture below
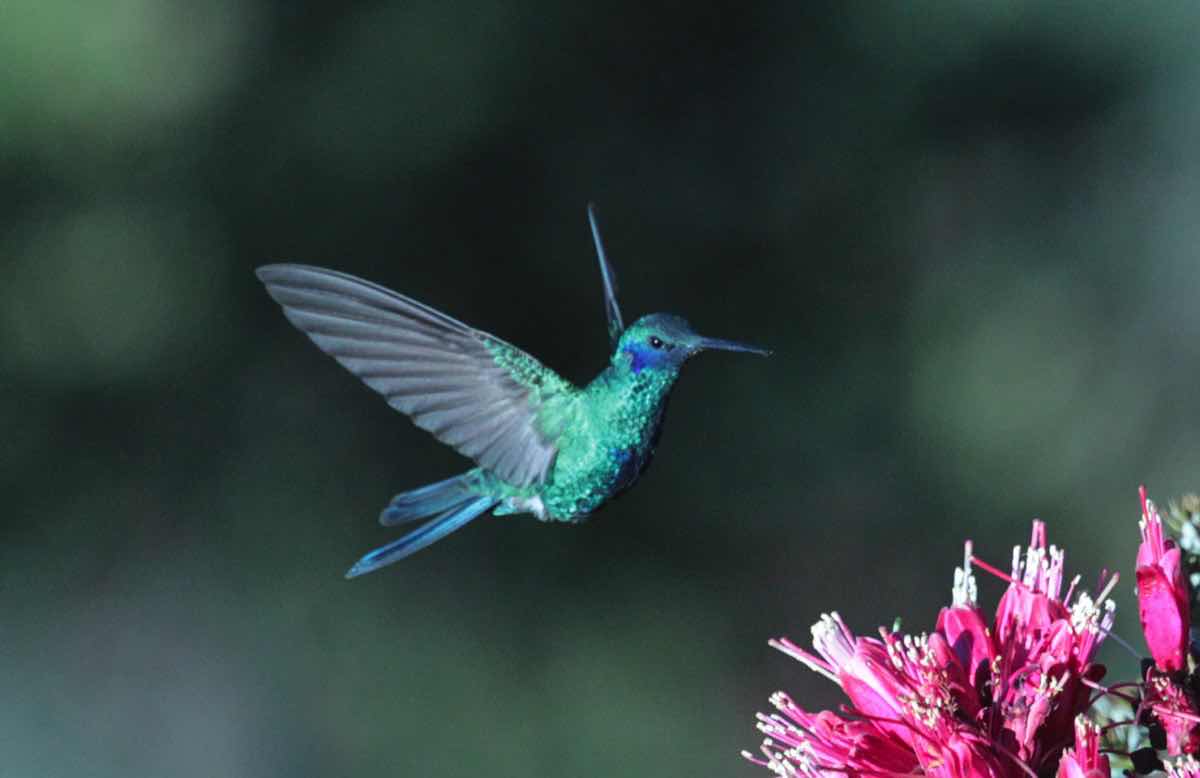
(1007, 696)
(1169, 690)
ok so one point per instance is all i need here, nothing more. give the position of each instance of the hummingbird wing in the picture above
(611, 310)
(473, 391)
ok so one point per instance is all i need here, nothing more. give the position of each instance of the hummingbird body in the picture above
(543, 445)
(607, 432)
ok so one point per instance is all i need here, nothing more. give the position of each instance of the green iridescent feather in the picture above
(604, 433)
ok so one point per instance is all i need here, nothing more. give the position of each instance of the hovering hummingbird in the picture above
(542, 445)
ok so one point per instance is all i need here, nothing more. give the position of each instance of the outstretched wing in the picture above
(471, 390)
(611, 310)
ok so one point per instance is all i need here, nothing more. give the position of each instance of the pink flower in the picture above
(961, 702)
(1175, 709)
(1048, 648)
(1162, 593)
(1187, 767)
(1085, 760)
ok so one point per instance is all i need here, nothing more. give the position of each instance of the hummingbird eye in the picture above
(655, 341)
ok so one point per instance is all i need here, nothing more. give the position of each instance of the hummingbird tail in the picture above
(437, 528)
(431, 499)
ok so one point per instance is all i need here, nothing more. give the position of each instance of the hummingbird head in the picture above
(663, 341)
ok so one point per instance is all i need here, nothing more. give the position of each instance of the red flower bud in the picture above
(1163, 595)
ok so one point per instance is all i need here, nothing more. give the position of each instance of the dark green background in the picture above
(968, 229)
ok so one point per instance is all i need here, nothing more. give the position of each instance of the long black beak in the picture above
(730, 345)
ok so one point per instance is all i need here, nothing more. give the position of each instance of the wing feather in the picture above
(443, 374)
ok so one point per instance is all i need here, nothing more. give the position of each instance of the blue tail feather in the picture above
(430, 500)
(430, 532)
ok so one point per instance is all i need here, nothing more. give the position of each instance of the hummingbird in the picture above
(542, 445)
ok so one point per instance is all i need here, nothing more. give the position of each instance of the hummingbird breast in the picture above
(608, 445)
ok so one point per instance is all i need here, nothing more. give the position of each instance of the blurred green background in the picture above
(968, 229)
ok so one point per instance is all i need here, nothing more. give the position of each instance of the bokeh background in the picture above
(969, 230)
